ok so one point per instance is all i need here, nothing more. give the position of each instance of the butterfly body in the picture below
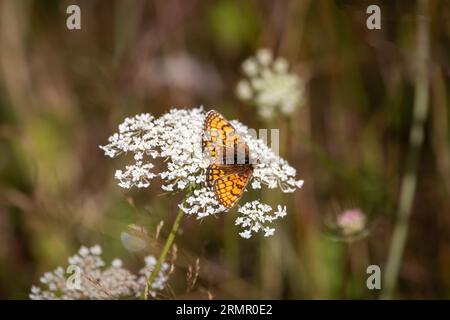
(231, 168)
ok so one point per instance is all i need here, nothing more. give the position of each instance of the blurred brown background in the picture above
(62, 93)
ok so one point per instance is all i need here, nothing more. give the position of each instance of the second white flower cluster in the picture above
(89, 278)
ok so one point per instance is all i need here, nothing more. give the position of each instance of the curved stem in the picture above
(165, 250)
(416, 137)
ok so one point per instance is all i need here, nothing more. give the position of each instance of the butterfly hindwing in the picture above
(230, 187)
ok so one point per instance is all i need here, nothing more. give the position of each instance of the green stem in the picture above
(346, 271)
(165, 250)
(409, 181)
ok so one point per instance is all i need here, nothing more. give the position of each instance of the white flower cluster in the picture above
(175, 138)
(256, 216)
(269, 85)
(96, 280)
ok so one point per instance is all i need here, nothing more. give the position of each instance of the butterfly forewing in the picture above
(221, 143)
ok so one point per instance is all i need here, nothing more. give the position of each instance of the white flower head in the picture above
(258, 217)
(98, 281)
(117, 263)
(269, 85)
(96, 250)
(176, 139)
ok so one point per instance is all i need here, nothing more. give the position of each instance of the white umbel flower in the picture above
(269, 85)
(98, 281)
(176, 138)
(257, 217)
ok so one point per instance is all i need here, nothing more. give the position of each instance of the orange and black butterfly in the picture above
(231, 168)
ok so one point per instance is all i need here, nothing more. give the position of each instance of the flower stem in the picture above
(409, 181)
(165, 250)
(346, 271)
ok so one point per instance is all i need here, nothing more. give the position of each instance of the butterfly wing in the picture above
(216, 171)
(221, 142)
(229, 182)
(230, 168)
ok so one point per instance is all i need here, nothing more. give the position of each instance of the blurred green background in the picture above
(62, 93)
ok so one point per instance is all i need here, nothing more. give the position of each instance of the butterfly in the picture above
(231, 168)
